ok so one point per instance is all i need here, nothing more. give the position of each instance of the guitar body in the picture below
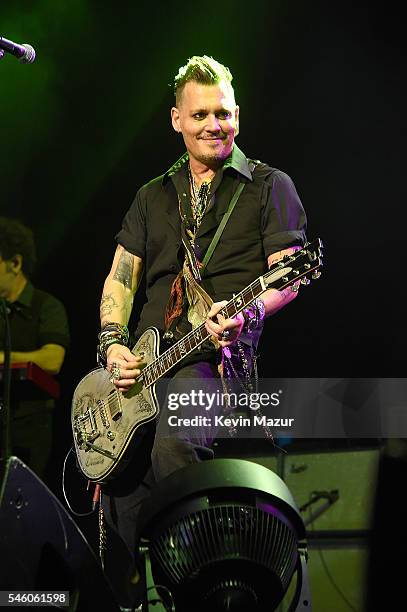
(105, 418)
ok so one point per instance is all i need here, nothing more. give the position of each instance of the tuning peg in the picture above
(316, 274)
(305, 281)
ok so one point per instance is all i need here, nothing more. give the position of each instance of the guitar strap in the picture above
(186, 215)
(222, 226)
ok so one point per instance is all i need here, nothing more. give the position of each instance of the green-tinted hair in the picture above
(201, 69)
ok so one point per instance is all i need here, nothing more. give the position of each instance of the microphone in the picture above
(25, 53)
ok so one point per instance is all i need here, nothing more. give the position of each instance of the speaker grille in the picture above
(226, 532)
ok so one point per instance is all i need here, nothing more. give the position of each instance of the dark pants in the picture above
(158, 455)
(31, 437)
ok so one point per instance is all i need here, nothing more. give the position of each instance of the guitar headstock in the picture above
(300, 265)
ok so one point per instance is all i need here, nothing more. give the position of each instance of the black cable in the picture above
(64, 492)
(6, 384)
(327, 571)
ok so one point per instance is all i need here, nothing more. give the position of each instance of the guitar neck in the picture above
(280, 275)
(165, 362)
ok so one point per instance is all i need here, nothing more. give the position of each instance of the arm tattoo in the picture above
(107, 303)
(124, 270)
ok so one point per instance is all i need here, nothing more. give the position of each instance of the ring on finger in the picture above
(114, 373)
(225, 335)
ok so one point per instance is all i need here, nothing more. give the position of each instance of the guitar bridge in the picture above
(84, 437)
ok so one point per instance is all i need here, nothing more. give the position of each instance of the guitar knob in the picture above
(305, 281)
(111, 435)
(316, 274)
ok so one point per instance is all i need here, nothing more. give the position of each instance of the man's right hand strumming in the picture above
(123, 366)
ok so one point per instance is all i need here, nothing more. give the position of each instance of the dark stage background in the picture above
(321, 87)
(322, 96)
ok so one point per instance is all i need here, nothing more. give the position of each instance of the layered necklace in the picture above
(199, 198)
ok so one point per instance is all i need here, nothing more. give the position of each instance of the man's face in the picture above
(207, 116)
(7, 278)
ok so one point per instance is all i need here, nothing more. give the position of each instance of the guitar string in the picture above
(153, 367)
(113, 400)
(174, 352)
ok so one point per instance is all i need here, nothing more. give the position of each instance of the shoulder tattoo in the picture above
(124, 270)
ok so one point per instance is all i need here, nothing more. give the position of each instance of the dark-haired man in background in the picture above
(165, 234)
(39, 334)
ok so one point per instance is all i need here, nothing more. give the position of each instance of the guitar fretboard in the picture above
(281, 275)
(165, 362)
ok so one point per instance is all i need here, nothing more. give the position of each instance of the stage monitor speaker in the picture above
(338, 544)
(41, 547)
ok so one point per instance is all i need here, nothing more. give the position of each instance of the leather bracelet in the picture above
(112, 333)
(114, 327)
(102, 350)
(114, 330)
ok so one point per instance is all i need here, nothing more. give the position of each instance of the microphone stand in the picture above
(5, 401)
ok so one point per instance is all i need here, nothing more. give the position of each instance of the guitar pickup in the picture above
(115, 406)
(103, 414)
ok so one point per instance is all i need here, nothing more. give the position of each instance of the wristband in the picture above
(254, 315)
(112, 333)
